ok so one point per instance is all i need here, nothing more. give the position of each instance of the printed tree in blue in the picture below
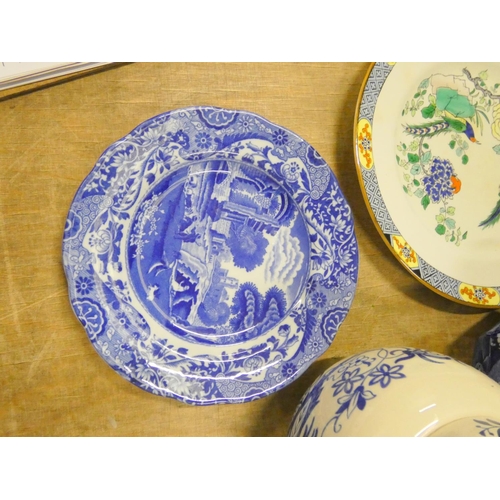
(248, 247)
(254, 314)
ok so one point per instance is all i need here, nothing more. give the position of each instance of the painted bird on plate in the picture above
(454, 110)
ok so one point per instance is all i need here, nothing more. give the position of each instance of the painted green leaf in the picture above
(425, 145)
(447, 237)
(416, 182)
(450, 223)
(450, 100)
(464, 237)
(440, 218)
(442, 210)
(464, 145)
(465, 159)
(398, 159)
(496, 85)
(417, 95)
(452, 144)
(484, 75)
(428, 111)
(416, 169)
(459, 151)
(424, 84)
(413, 158)
(450, 210)
(423, 92)
(407, 177)
(440, 229)
(405, 189)
(453, 239)
(419, 193)
(484, 115)
(425, 201)
(404, 145)
(426, 157)
(432, 99)
(497, 149)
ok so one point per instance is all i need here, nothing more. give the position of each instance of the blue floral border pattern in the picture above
(351, 384)
(100, 226)
(438, 280)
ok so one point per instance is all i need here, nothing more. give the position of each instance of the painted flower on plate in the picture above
(319, 300)
(345, 257)
(280, 137)
(315, 344)
(121, 349)
(288, 369)
(438, 183)
(101, 240)
(339, 223)
(246, 123)
(123, 319)
(84, 285)
(203, 140)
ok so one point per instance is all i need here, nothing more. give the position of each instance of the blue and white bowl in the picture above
(399, 392)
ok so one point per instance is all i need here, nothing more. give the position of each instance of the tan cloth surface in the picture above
(52, 382)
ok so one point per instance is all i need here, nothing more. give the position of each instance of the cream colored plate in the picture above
(427, 149)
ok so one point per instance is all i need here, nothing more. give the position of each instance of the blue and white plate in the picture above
(210, 256)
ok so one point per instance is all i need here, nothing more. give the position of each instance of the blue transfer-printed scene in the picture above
(207, 246)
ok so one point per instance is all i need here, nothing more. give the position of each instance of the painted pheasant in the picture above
(454, 111)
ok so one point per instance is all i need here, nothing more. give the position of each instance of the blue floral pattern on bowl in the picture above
(210, 256)
(352, 384)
